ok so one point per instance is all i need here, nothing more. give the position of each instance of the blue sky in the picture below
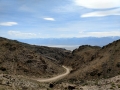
(21, 19)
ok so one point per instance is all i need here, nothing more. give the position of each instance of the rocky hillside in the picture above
(80, 56)
(91, 62)
(18, 58)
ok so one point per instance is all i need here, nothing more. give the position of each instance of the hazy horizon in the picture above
(70, 43)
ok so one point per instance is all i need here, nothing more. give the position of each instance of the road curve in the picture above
(56, 77)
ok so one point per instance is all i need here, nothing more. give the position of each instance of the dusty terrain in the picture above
(91, 62)
(102, 84)
(56, 78)
(30, 67)
(23, 59)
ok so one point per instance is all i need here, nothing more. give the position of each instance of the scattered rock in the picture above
(51, 85)
(71, 87)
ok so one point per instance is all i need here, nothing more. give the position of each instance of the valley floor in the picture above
(103, 84)
(8, 82)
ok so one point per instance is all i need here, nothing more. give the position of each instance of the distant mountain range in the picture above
(70, 43)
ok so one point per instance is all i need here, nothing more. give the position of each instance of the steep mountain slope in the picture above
(23, 59)
(80, 56)
(90, 62)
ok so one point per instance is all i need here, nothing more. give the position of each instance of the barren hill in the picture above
(88, 63)
(18, 58)
(91, 62)
(80, 56)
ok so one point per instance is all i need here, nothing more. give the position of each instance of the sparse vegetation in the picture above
(94, 62)
(23, 59)
(90, 64)
(118, 85)
(112, 85)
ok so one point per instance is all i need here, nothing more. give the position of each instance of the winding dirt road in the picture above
(56, 77)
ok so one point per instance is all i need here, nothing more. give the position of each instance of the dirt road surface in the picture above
(56, 77)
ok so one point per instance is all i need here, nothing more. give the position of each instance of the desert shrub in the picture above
(113, 85)
(94, 73)
(118, 85)
(118, 64)
(51, 85)
(2, 69)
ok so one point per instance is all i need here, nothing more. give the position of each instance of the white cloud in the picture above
(99, 34)
(49, 19)
(8, 23)
(102, 13)
(98, 4)
(21, 34)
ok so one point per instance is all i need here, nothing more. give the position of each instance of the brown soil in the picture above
(91, 62)
(18, 58)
